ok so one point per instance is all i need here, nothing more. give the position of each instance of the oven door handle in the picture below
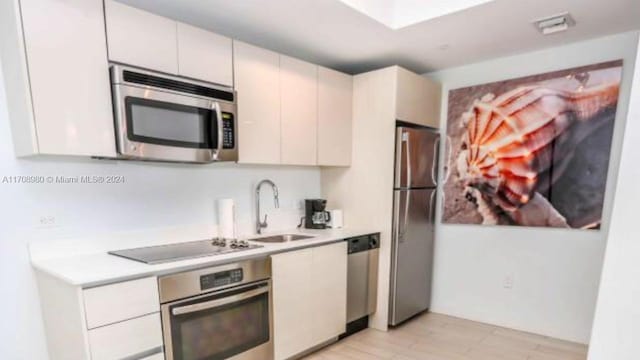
(216, 108)
(218, 302)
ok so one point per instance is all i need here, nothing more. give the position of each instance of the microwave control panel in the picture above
(228, 131)
(221, 278)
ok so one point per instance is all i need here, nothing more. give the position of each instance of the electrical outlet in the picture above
(508, 282)
(46, 221)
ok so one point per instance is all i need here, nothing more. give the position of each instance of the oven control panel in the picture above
(221, 278)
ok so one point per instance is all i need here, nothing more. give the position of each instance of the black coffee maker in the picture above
(315, 215)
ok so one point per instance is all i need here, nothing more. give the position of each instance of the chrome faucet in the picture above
(263, 224)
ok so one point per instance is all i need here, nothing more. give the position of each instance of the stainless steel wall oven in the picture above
(223, 312)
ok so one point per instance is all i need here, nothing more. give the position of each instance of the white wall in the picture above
(154, 196)
(616, 329)
(555, 272)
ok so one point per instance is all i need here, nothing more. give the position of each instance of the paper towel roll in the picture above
(226, 219)
(336, 218)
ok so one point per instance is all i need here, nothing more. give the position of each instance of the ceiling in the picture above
(330, 33)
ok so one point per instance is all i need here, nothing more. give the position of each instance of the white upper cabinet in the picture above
(290, 111)
(417, 99)
(140, 38)
(335, 96)
(204, 55)
(257, 80)
(299, 106)
(62, 104)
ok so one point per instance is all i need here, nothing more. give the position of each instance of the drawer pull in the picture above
(145, 354)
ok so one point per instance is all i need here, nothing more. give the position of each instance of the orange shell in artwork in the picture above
(509, 139)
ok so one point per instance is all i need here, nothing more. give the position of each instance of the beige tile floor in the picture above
(439, 337)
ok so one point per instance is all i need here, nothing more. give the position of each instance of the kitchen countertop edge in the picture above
(97, 269)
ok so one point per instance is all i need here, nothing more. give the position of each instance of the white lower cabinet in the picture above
(309, 297)
(115, 321)
(291, 274)
(106, 304)
(127, 339)
(329, 291)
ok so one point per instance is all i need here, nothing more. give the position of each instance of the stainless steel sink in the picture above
(281, 238)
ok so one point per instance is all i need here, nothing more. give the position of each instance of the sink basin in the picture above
(281, 238)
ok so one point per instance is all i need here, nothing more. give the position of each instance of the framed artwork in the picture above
(532, 151)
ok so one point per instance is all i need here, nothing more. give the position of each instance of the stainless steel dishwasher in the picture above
(362, 281)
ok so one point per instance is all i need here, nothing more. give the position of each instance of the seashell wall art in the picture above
(532, 151)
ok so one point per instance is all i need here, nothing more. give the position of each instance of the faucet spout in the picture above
(263, 224)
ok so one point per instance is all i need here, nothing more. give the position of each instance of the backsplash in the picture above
(52, 204)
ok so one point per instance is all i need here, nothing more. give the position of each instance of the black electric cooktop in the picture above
(182, 251)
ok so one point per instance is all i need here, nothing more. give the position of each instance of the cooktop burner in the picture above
(182, 251)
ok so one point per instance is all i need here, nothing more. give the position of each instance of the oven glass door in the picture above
(162, 123)
(219, 326)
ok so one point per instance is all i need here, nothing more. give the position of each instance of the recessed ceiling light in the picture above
(397, 14)
(555, 23)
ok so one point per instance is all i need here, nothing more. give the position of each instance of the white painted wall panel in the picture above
(555, 272)
(616, 332)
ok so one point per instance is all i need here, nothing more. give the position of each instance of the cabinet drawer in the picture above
(128, 339)
(117, 302)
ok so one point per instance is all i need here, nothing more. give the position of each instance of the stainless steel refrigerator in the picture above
(414, 201)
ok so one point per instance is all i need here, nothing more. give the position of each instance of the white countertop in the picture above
(93, 269)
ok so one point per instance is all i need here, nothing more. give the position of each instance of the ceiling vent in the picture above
(554, 24)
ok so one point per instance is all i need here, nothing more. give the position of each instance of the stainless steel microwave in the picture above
(166, 118)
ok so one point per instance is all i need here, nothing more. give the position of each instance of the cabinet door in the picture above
(417, 99)
(203, 55)
(69, 76)
(299, 86)
(140, 38)
(292, 303)
(257, 80)
(329, 292)
(335, 94)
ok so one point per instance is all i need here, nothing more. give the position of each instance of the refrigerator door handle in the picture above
(396, 217)
(405, 139)
(432, 208)
(406, 215)
(434, 164)
(447, 160)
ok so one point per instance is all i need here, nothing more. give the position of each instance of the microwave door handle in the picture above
(216, 108)
(217, 303)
